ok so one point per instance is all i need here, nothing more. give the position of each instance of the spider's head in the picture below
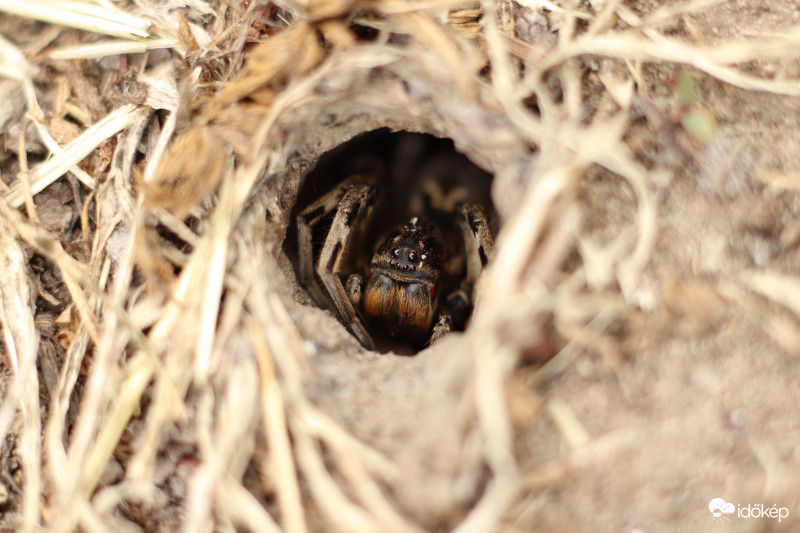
(404, 280)
(412, 253)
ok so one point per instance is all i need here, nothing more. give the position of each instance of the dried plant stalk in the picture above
(81, 15)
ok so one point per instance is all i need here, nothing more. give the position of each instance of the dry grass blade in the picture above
(399, 7)
(668, 12)
(56, 149)
(81, 15)
(139, 373)
(14, 66)
(367, 490)
(498, 497)
(49, 171)
(618, 160)
(515, 251)
(779, 288)
(552, 6)
(336, 506)
(30, 452)
(225, 439)
(777, 324)
(198, 279)
(244, 509)
(327, 430)
(523, 232)
(216, 269)
(778, 178)
(72, 270)
(503, 78)
(21, 343)
(16, 307)
(714, 60)
(432, 34)
(110, 48)
(573, 432)
(277, 430)
(355, 461)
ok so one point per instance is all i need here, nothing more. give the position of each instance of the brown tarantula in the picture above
(408, 271)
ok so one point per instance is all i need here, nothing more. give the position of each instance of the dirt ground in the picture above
(633, 353)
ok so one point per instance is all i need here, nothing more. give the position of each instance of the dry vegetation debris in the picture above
(162, 370)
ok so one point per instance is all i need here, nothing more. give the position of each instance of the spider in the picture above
(398, 293)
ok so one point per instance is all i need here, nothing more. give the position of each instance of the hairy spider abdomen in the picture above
(402, 308)
(405, 272)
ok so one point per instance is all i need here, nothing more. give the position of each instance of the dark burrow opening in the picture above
(410, 180)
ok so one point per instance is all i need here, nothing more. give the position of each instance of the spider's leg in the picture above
(354, 205)
(478, 240)
(479, 249)
(353, 287)
(306, 222)
(453, 313)
(442, 327)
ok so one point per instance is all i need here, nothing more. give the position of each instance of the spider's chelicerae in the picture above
(419, 282)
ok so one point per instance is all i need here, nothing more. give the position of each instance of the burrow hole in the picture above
(417, 175)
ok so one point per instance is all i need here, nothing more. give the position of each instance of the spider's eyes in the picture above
(412, 257)
(396, 252)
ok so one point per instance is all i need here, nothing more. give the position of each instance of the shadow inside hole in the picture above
(417, 175)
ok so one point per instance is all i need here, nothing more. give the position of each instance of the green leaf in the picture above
(699, 123)
(685, 89)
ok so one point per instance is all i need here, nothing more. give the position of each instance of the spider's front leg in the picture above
(307, 220)
(479, 250)
(478, 240)
(352, 201)
(454, 310)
